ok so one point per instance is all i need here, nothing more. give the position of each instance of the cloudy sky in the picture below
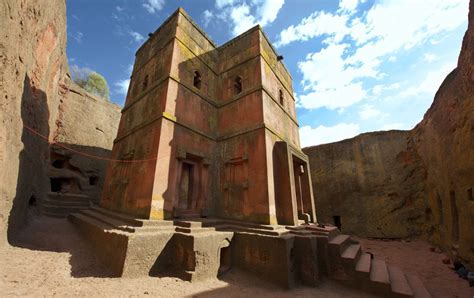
(357, 65)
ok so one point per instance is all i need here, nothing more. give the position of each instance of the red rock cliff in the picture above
(36, 92)
(445, 141)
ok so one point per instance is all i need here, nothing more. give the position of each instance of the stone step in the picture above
(66, 203)
(330, 231)
(351, 253)
(418, 288)
(156, 223)
(48, 209)
(193, 230)
(122, 217)
(59, 196)
(379, 276)
(54, 214)
(131, 221)
(188, 224)
(399, 283)
(117, 224)
(301, 232)
(252, 225)
(154, 229)
(240, 228)
(82, 219)
(363, 265)
(340, 242)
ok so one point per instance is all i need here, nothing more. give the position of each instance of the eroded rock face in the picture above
(373, 185)
(445, 142)
(35, 93)
(34, 68)
(399, 184)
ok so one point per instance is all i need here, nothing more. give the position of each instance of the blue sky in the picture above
(357, 65)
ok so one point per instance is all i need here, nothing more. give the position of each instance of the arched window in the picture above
(197, 79)
(238, 85)
(280, 96)
(145, 83)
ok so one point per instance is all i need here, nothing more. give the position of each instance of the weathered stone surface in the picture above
(374, 183)
(398, 184)
(200, 131)
(85, 132)
(445, 141)
(36, 92)
(32, 80)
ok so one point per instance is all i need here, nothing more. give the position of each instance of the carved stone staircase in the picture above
(338, 256)
(61, 204)
(348, 263)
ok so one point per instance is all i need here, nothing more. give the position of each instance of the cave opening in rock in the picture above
(59, 163)
(337, 221)
(93, 180)
(32, 202)
(60, 184)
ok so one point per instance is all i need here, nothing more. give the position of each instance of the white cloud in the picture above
(333, 99)
(241, 18)
(428, 57)
(324, 134)
(368, 111)
(153, 6)
(378, 89)
(122, 86)
(330, 81)
(317, 24)
(349, 5)
(207, 17)
(246, 14)
(430, 83)
(223, 3)
(267, 10)
(119, 8)
(136, 36)
(335, 76)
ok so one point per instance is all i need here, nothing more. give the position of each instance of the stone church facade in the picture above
(209, 131)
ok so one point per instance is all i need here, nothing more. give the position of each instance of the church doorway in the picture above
(186, 187)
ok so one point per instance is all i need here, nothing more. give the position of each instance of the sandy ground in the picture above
(415, 256)
(49, 258)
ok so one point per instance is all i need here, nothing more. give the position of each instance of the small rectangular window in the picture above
(238, 85)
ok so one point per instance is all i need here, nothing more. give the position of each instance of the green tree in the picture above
(90, 80)
(97, 84)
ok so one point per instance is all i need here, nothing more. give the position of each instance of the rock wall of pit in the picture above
(405, 183)
(445, 141)
(372, 184)
(36, 94)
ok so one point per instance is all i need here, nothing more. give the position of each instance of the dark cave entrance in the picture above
(337, 221)
(61, 184)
